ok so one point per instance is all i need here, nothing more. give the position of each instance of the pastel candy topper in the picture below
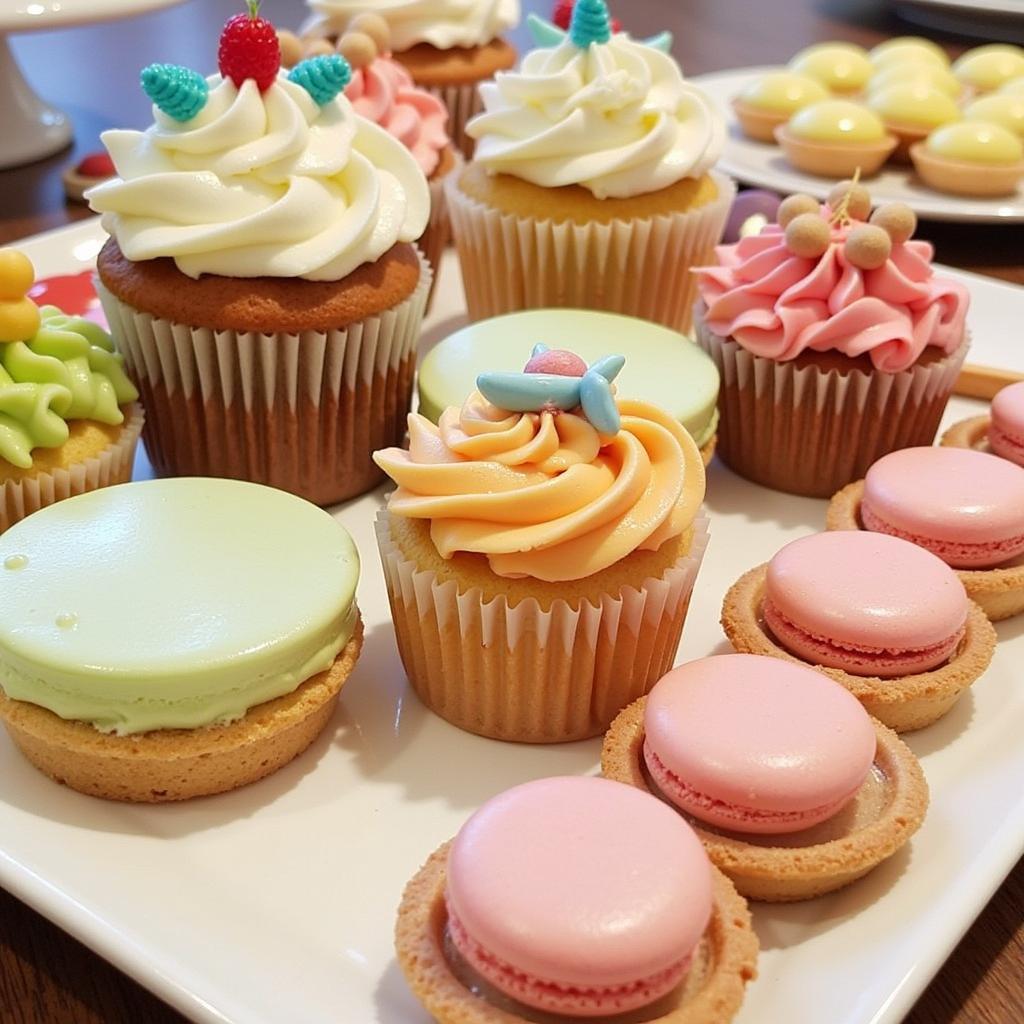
(555, 380)
(589, 23)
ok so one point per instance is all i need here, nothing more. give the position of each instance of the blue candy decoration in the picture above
(179, 92)
(547, 34)
(323, 77)
(546, 392)
(591, 23)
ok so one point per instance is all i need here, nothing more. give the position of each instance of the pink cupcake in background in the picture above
(382, 91)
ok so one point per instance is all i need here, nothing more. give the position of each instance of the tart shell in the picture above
(999, 591)
(177, 764)
(419, 942)
(970, 433)
(835, 160)
(758, 123)
(778, 874)
(960, 178)
(904, 703)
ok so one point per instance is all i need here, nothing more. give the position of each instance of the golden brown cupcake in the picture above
(792, 788)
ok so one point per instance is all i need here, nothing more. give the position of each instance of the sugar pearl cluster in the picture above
(869, 242)
(366, 38)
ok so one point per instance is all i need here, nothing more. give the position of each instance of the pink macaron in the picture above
(1006, 430)
(965, 506)
(755, 744)
(578, 896)
(867, 603)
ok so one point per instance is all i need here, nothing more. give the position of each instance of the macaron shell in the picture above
(581, 881)
(866, 590)
(954, 495)
(760, 733)
(1006, 433)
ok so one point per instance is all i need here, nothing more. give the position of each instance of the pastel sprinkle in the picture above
(179, 92)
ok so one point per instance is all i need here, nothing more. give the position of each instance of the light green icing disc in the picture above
(662, 367)
(172, 603)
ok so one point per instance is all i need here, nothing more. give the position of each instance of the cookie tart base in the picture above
(904, 703)
(970, 433)
(723, 963)
(177, 764)
(886, 811)
(999, 591)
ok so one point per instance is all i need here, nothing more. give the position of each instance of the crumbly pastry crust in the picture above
(904, 703)
(177, 764)
(777, 874)
(1000, 591)
(756, 122)
(969, 433)
(265, 305)
(460, 65)
(961, 178)
(419, 942)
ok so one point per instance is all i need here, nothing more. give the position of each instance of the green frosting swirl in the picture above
(68, 371)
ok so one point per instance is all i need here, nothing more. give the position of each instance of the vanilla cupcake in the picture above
(260, 276)
(448, 46)
(69, 420)
(540, 550)
(592, 184)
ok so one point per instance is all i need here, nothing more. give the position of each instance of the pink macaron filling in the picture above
(578, 896)
(858, 660)
(1006, 430)
(965, 506)
(568, 1000)
(756, 744)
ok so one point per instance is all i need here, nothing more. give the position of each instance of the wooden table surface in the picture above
(92, 73)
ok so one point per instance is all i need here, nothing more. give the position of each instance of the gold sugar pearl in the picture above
(292, 49)
(318, 48)
(808, 236)
(374, 26)
(858, 206)
(793, 206)
(897, 220)
(357, 48)
(868, 247)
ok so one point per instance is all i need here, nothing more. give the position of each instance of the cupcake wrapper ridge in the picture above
(463, 103)
(639, 268)
(520, 673)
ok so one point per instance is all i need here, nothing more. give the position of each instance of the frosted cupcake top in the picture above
(547, 474)
(599, 110)
(253, 173)
(441, 23)
(825, 279)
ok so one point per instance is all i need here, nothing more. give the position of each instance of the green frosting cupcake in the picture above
(67, 371)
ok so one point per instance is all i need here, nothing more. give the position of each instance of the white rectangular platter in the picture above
(276, 903)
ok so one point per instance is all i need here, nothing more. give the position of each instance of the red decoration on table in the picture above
(96, 165)
(73, 293)
(563, 15)
(249, 48)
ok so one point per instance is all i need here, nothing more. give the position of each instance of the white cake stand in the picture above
(29, 128)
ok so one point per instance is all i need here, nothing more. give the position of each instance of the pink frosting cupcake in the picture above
(836, 341)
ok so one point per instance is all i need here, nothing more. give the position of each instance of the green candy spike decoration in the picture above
(322, 77)
(179, 92)
(591, 23)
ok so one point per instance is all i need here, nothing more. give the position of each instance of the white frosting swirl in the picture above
(617, 118)
(442, 23)
(262, 185)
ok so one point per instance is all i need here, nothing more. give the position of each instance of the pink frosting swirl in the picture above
(384, 92)
(778, 305)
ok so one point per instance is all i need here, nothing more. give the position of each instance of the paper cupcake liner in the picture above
(521, 673)
(434, 240)
(113, 465)
(639, 268)
(463, 102)
(809, 431)
(302, 412)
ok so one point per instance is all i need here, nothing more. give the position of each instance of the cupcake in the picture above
(793, 789)
(272, 325)
(541, 549)
(966, 507)
(69, 421)
(159, 645)
(591, 185)
(971, 158)
(575, 898)
(836, 139)
(835, 341)
(1001, 432)
(382, 91)
(662, 367)
(449, 48)
(888, 621)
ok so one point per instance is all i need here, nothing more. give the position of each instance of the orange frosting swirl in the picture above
(544, 494)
